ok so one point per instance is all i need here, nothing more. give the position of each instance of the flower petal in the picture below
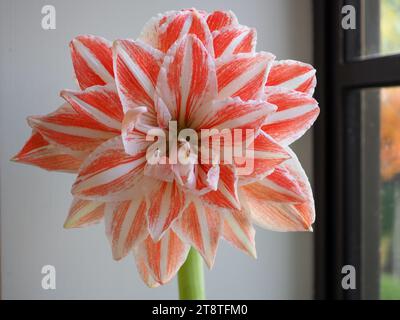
(295, 115)
(207, 177)
(201, 227)
(282, 216)
(38, 152)
(126, 225)
(164, 257)
(243, 75)
(166, 202)
(238, 231)
(234, 40)
(84, 213)
(226, 195)
(219, 19)
(292, 75)
(100, 103)
(259, 159)
(145, 273)
(280, 186)
(92, 60)
(233, 113)
(71, 130)
(134, 131)
(136, 66)
(110, 174)
(181, 23)
(187, 80)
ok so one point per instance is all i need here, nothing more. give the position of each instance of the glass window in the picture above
(380, 27)
(385, 119)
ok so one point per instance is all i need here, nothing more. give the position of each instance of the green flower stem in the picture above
(191, 278)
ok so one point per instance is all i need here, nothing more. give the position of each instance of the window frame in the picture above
(346, 230)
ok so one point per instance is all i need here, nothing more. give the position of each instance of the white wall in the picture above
(34, 67)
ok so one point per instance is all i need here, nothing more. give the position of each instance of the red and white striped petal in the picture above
(207, 176)
(201, 227)
(233, 113)
(280, 186)
(92, 60)
(187, 80)
(166, 202)
(219, 19)
(239, 231)
(163, 258)
(181, 23)
(282, 216)
(226, 195)
(234, 40)
(38, 152)
(109, 173)
(136, 66)
(292, 75)
(259, 159)
(71, 130)
(126, 225)
(243, 75)
(100, 103)
(150, 31)
(145, 273)
(134, 131)
(296, 113)
(84, 213)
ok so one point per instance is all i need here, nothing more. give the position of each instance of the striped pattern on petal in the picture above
(207, 176)
(243, 75)
(219, 19)
(233, 113)
(260, 158)
(234, 40)
(282, 216)
(145, 273)
(84, 213)
(226, 195)
(38, 152)
(110, 174)
(136, 66)
(163, 258)
(92, 60)
(201, 227)
(100, 103)
(296, 113)
(134, 128)
(238, 230)
(166, 202)
(126, 225)
(71, 130)
(279, 186)
(181, 23)
(187, 80)
(292, 75)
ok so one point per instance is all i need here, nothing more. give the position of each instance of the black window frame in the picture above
(346, 231)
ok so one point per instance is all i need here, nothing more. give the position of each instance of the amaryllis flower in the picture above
(189, 80)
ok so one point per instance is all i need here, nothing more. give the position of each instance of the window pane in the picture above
(390, 193)
(385, 105)
(380, 27)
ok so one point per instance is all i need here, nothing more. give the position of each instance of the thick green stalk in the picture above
(191, 278)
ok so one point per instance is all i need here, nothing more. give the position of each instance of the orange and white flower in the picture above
(201, 71)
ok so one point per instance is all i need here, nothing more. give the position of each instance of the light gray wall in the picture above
(34, 66)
